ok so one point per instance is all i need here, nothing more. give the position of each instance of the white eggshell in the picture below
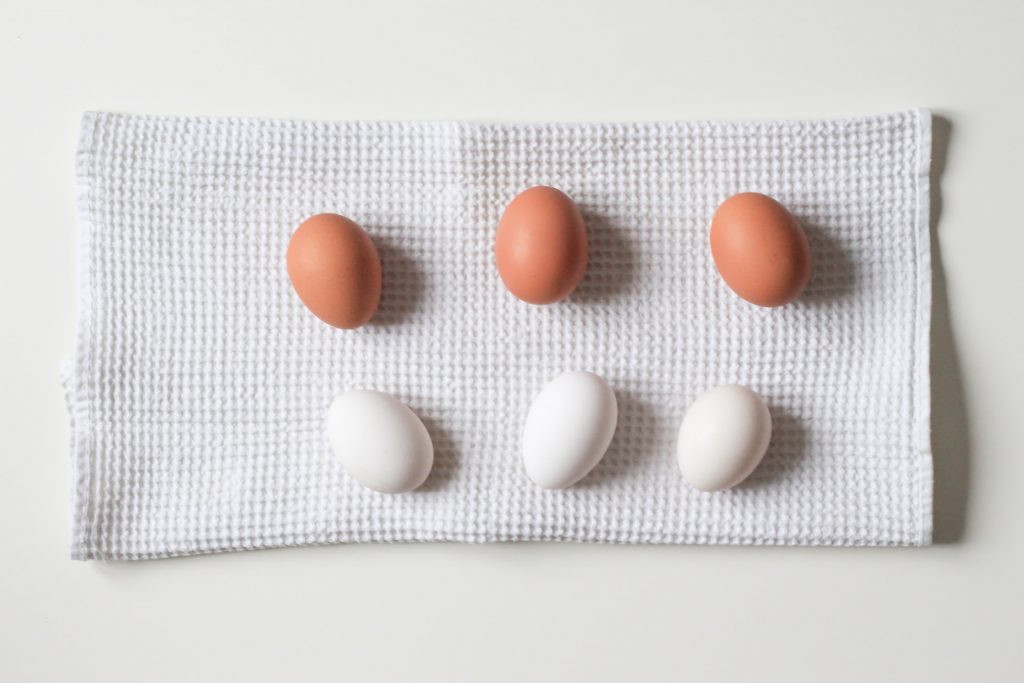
(723, 437)
(379, 441)
(568, 429)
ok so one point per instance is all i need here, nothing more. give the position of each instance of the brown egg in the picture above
(335, 270)
(760, 249)
(541, 246)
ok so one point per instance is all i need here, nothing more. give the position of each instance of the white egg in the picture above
(379, 441)
(723, 437)
(568, 429)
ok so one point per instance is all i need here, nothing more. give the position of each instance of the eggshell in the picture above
(568, 429)
(541, 246)
(723, 437)
(379, 441)
(760, 249)
(335, 269)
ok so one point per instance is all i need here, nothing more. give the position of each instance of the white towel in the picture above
(200, 383)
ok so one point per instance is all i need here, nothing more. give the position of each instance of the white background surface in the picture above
(539, 612)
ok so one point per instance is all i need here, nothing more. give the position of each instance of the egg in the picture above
(379, 441)
(760, 249)
(568, 429)
(541, 246)
(335, 269)
(723, 437)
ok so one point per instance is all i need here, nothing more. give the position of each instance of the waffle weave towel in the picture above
(200, 384)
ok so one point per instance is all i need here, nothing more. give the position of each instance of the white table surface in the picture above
(524, 612)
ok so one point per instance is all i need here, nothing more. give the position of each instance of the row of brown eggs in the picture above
(541, 249)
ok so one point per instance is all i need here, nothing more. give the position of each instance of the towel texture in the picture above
(200, 383)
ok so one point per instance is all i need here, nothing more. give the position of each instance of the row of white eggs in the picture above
(723, 436)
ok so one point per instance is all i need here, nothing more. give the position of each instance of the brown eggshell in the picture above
(760, 249)
(335, 269)
(541, 246)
